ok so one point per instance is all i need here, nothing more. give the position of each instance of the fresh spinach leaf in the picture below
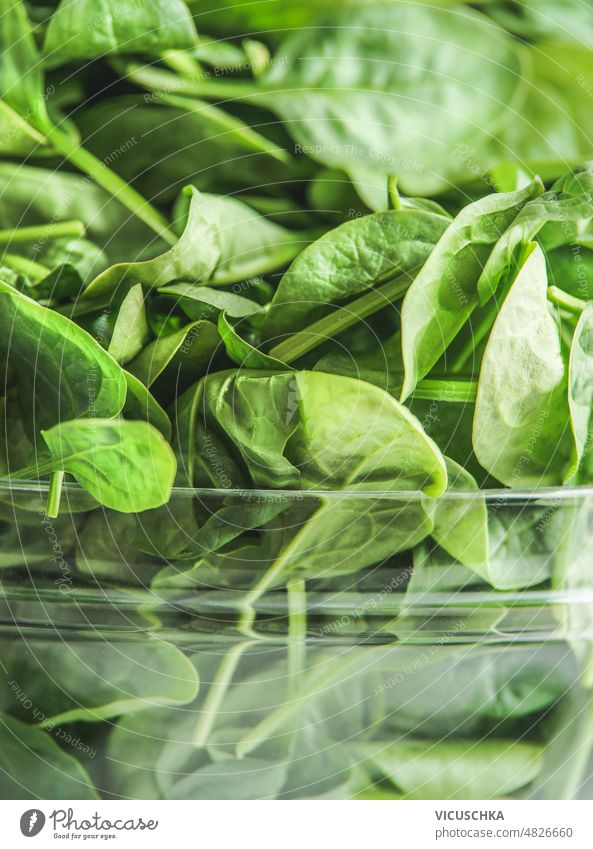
(444, 294)
(63, 372)
(354, 257)
(130, 332)
(85, 30)
(32, 766)
(125, 465)
(521, 430)
(457, 769)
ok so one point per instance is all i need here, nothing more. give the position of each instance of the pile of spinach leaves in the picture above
(266, 337)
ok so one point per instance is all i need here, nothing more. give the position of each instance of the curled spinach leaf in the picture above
(521, 433)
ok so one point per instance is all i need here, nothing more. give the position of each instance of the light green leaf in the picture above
(580, 393)
(202, 302)
(127, 466)
(521, 432)
(444, 294)
(92, 680)
(348, 260)
(242, 352)
(194, 257)
(189, 351)
(458, 769)
(130, 332)
(85, 29)
(461, 519)
(64, 372)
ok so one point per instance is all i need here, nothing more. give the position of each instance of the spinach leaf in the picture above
(194, 257)
(242, 352)
(90, 681)
(521, 432)
(223, 242)
(63, 372)
(457, 769)
(127, 466)
(346, 261)
(323, 431)
(580, 392)
(444, 294)
(544, 210)
(333, 72)
(202, 302)
(249, 244)
(131, 332)
(32, 766)
(83, 29)
(180, 356)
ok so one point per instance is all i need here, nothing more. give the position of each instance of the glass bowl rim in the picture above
(490, 495)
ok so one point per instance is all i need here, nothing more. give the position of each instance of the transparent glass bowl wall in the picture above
(298, 645)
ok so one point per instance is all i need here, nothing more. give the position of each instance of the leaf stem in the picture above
(248, 612)
(216, 693)
(329, 326)
(101, 174)
(455, 391)
(161, 81)
(297, 631)
(393, 193)
(33, 472)
(565, 301)
(251, 139)
(55, 494)
(42, 231)
(25, 266)
(320, 679)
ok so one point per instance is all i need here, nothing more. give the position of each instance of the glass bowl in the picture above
(288, 645)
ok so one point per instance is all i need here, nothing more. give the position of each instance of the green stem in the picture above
(326, 328)
(164, 82)
(297, 631)
(565, 301)
(101, 174)
(228, 123)
(216, 694)
(454, 391)
(42, 231)
(25, 266)
(393, 193)
(33, 472)
(247, 618)
(55, 494)
(182, 62)
(322, 678)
